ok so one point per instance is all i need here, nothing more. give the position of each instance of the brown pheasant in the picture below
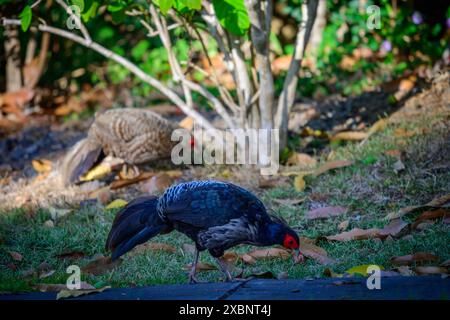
(134, 135)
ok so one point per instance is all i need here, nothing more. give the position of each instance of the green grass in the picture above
(370, 189)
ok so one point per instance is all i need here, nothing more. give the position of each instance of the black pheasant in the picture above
(215, 215)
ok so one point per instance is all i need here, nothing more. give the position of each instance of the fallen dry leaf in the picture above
(15, 256)
(156, 246)
(393, 229)
(299, 183)
(343, 225)
(187, 123)
(361, 269)
(378, 126)
(116, 204)
(248, 259)
(72, 255)
(350, 136)
(438, 202)
(265, 183)
(332, 165)
(96, 173)
(64, 294)
(100, 265)
(117, 184)
(411, 258)
(270, 253)
(230, 257)
(310, 250)
(430, 270)
(355, 234)
(41, 165)
(201, 266)
(301, 160)
(325, 212)
(431, 215)
(103, 169)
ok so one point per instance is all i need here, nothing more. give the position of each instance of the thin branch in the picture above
(161, 26)
(260, 29)
(287, 97)
(224, 94)
(35, 4)
(178, 74)
(169, 93)
(152, 33)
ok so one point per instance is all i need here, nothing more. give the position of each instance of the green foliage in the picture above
(182, 6)
(165, 5)
(79, 3)
(90, 10)
(232, 15)
(25, 18)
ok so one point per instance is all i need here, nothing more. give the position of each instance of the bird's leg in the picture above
(224, 268)
(192, 277)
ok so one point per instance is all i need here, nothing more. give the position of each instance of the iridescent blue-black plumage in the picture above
(215, 215)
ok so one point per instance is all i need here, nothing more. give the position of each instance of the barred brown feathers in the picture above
(133, 135)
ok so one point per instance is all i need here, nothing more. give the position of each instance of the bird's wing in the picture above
(212, 205)
(228, 235)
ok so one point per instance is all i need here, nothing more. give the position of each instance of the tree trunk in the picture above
(317, 31)
(13, 67)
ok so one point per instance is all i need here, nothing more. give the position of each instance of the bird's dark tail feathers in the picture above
(79, 160)
(135, 224)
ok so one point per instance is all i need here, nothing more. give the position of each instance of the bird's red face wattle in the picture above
(290, 242)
